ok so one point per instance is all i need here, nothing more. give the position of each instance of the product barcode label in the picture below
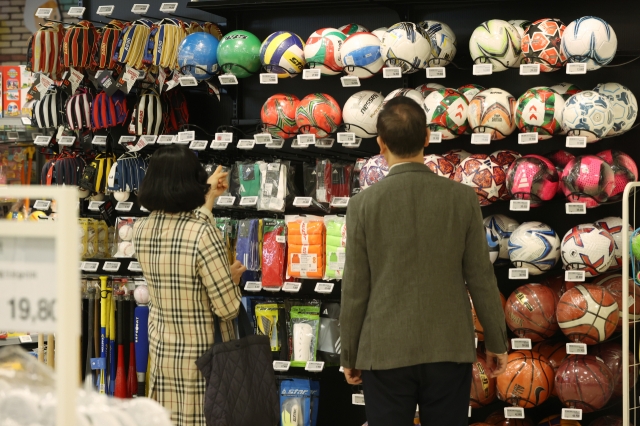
(126, 139)
(521, 344)
(576, 68)
(324, 288)
(339, 201)
(514, 412)
(311, 74)
(99, 140)
(281, 365)
(354, 144)
(483, 69)
(43, 12)
(135, 267)
(219, 145)
(302, 201)
(518, 273)
(166, 139)
(574, 276)
(262, 138)
(276, 144)
(89, 266)
(76, 11)
(168, 7)
(44, 140)
(470, 411)
(520, 205)
(228, 79)
(105, 10)
(198, 145)
(226, 137)
(94, 206)
(346, 137)
(188, 81)
(314, 366)
(481, 139)
(576, 348)
(527, 138)
(66, 140)
(249, 201)
(575, 208)
(530, 69)
(435, 137)
(436, 72)
(392, 72)
(357, 399)
(26, 121)
(291, 287)
(571, 414)
(124, 206)
(325, 142)
(268, 78)
(246, 143)
(25, 338)
(306, 139)
(42, 205)
(226, 201)
(111, 266)
(281, 239)
(185, 137)
(148, 139)
(139, 9)
(350, 81)
(576, 142)
(253, 286)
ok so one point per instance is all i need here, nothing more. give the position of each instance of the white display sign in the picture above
(311, 74)
(168, 7)
(524, 344)
(575, 208)
(281, 365)
(518, 273)
(481, 139)
(346, 137)
(527, 138)
(571, 414)
(357, 399)
(574, 68)
(253, 286)
(530, 69)
(302, 201)
(315, 366)
(437, 72)
(574, 276)
(228, 79)
(392, 72)
(268, 78)
(225, 137)
(514, 412)
(325, 288)
(576, 349)
(576, 142)
(350, 81)
(435, 137)
(246, 143)
(76, 12)
(186, 137)
(140, 9)
(291, 287)
(483, 69)
(263, 138)
(99, 140)
(520, 205)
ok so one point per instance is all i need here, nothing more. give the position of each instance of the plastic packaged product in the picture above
(268, 323)
(315, 401)
(329, 335)
(273, 186)
(273, 252)
(336, 242)
(310, 178)
(103, 240)
(229, 229)
(124, 237)
(355, 177)
(333, 179)
(248, 244)
(295, 402)
(305, 248)
(305, 322)
(248, 174)
(89, 232)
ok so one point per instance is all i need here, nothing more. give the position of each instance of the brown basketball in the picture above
(587, 314)
(602, 279)
(497, 419)
(609, 421)
(614, 285)
(531, 312)
(584, 382)
(528, 381)
(556, 283)
(476, 322)
(611, 354)
(555, 351)
(483, 387)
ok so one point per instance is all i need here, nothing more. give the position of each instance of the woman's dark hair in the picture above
(175, 181)
(402, 125)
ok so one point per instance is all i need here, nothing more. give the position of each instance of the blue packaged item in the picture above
(248, 244)
(295, 402)
(315, 401)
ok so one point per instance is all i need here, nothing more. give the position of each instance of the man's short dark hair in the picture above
(175, 181)
(402, 125)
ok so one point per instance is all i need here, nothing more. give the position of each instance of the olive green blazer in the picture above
(413, 240)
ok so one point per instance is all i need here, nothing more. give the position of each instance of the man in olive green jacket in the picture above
(413, 240)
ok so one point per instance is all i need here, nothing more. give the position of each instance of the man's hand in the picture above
(219, 184)
(353, 376)
(497, 364)
(237, 269)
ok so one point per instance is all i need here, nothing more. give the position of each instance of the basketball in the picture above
(322, 50)
(476, 322)
(609, 421)
(614, 286)
(587, 314)
(624, 169)
(278, 115)
(318, 114)
(528, 381)
(282, 53)
(555, 351)
(584, 382)
(530, 312)
(611, 354)
(556, 420)
(483, 387)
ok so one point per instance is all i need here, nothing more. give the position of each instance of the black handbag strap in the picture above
(244, 325)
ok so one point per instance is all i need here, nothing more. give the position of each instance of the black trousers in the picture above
(441, 390)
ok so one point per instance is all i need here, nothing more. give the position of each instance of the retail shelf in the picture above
(120, 266)
(226, 7)
(16, 341)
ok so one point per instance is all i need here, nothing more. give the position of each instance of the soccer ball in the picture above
(380, 32)
(591, 40)
(283, 53)
(278, 114)
(587, 114)
(613, 225)
(623, 104)
(560, 159)
(409, 93)
(492, 111)
(541, 44)
(493, 242)
(439, 165)
(505, 158)
(318, 114)
(502, 226)
(587, 248)
(534, 246)
(497, 42)
(455, 156)
(374, 170)
(447, 113)
(521, 26)
(443, 42)
(322, 50)
(470, 90)
(566, 90)
(407, 46)
(624, 169)
(352, 29)
(361, 56)
(540, 111)
(360, 113)
(532, 178)
(485, 176)
(426, 89)
(588, 179)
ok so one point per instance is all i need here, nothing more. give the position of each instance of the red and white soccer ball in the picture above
(455, 156)
(374, 170)
(439, 165)
(613, 225)
(587, 248)
(505, 158)
(484, 175)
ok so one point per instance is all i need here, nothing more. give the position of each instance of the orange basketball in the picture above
(483, 387)
(555, 351)
(556, 283)
(528, 381)
(497, 418)
(614, 285)
(531, 312)
(602, 279)
(584, 382)
(476, 322)
(588, 314)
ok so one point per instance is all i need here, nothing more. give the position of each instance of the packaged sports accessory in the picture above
(95, 175)
(295, 402)
(146, 118)
(273, 186)
(162, 46)
(229, 229)
(336, 243)
(108, 111)
(79, 45)
(43, 52)
(248, 244)
(268, 323)
(78, 110)
(133, 42)
(305, 244)
(304, 326)
(310, 178)
(333, 179)
(107, 45)
(47, 112)
(248, 178)
(124, 237)
(176, 112)
(273, 252)
(329, 346)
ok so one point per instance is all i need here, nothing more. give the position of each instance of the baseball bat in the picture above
(112, 346)
(132, 379)
(142, 346)
(91, 292)
(120, 388)
(104, 309)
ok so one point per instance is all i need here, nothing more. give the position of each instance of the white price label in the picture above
(166, 139)
(226, 201)
(576, 349)
(291, 287)
(89, 266)
(42, 140)
(198, 145)
(576, 68)
(436, 137)
(99, 140)
(316, 366)
(325, 288)
(436, 72)
(346, 137)
(354, 144)
(574, 276)
(470, 411)
(26, 121)
(281, 239)
(140, 9)
(530, 69)
(144, 209)
(575, 208)
(262, 138)
(66, 140)
(302, 201)
(521, 344)
(339, 201)
(188, 81)
(253, 286)
(527, 138)
(42, 205)
(520, 205)
(483, 69)
(514, 413)
(481, 139)
(350, 81)
(105, 10)
(311, 74)
(576, 142)
(306, 139)
(126, 139)
(226, 137)
(76, 12)
(249, 201)
(281, 365)
(325, 142)
(276, 144)
(124, 206)
(185, 137)
(12, 136)
(44, 12)
(268, 78)
(571, 414)
(135, 267)
(148, 139)
(357, 399)
(518, 273)
(25, 338)
(392, 72)
(228, 79)
(168, 7)
(111, 266)
(246, 143)
(94, 206)
(219, 146)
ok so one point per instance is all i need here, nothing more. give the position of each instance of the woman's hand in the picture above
(219, 184)
(237, 269)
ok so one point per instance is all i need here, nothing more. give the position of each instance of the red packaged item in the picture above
(273, 252)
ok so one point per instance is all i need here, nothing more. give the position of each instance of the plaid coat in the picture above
(184, 262)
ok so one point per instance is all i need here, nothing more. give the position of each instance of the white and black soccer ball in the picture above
(406, 92)
(534, 246)
(496, 42)
(623, 104)
(521, 25)
(406, 45)
(587, 114)
(503, 226)
(587, 248)
(361, 111)
(493, 241)
(613, 225)
(591, 40)
(427, 88)
(443, 42)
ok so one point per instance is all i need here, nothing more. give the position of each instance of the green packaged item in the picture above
(336, 241)
(304, 327)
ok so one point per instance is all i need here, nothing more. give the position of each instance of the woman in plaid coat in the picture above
(184, 261)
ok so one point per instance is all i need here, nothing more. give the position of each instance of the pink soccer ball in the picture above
(560, 159)
(534, 178)
(624, 169)
(588, 179)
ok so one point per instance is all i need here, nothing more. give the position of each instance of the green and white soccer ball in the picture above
(521, 26)
(496, 42)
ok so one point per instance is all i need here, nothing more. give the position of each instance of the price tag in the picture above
(315, 366)
(228, 79)
(527, 138)
(44, 12)
(246, 143)
(253, 286)
(76, 12)
(325, 143)
(198, 145)
(262, 138)
(226, 137)
(281, 365)
(575, 208)
(42, 205)
(268, 78)
(340, 202)
(574, 276)
(436, 137)
(514, 412)
(135, 267)
(166, 139)
(124, 206)
(140, 9)
(148, 139)
(186, 137)
(346, 137)
(302, 201)
(66, 140)
(521, 344)
(354, 144)
(226, 201)
(144, 209)
(436, 72)
(576, 68)
(105, 10)
(571, 413)
(26, 338)
(520, 205)
(469, 411)
(357, 399)
(94, 206)
(42, 140)
(311, 74)
(12, 136)
(392, 72)
(248, 201)
(126, 139)
(277, 143)
(576, 349)
(481, 139)
(168, 7)
(530, 69)
(291, 287)
(483, 69)
(518, 273)
(99, 140)
(219, 146)
(188, 81)
(324, 288)
(576, 142)
(111, 266)
(350, 81)
(26, 121)
(476, 339)
(306, 139)
(89, 266)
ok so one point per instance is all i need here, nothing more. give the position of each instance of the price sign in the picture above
(271, 289)
(311, 74)
(575, 208)
(354, 144)
(574, 276)
(520, 205)
(530, 69)
(306, 139)
(481, 139)
(281, 365)
(253, 286)
(228, 79)
(66, 140)
(198, 145)
(226, 137)
(514, 413)
(188, 81)
(135, 267)
(226, 201)
(94, 206)
(571, 414)
(350, 81)
(25, 338)
(521, 344)
(302, 201)
(148, 139)
(576, 142)
(291, 287)
(470, 411)
(518, 273)
(168, 7)
(527, 138)
(246, 143)
(12, 136)
(105, 10)
(576, 348)
(315, 366)
(126, 139)
(435, 137)
(392, 72)
(268, 78)
(281, 239)
(346, 137)
(111, 266)
(124, 206)
(166, 139)
(277, 143)
(325, 142)
(248, 201)
(357, 399)
(186, 137)
(574, 68)
(89, 266)
(262, 138)
(219, 146)
(340, 202)
(436, 72)
(42, 140)
(26, 121)
(325, 288)
(99, 140)
(483, 69)
(76, 12)
(140, 9)
(42, 205)
(44, 12)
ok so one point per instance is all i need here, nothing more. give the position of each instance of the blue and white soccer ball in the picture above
(623, 105)
(591, 40)
(493, 242)
(588, 111)
(503, 226)
(443, 42)
(406, 45)
(360, 54)
(534, 246)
